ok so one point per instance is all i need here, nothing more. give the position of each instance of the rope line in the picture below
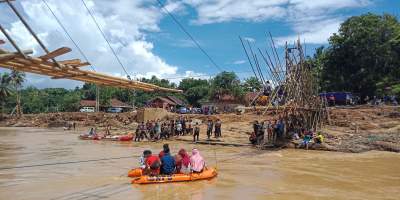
(65, 163)
(66, 32)
(105, 38)
(189, 35)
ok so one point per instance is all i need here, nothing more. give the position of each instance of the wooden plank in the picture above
(35, 60)
(7, 57)
(81, 64)
(70, 62)
(19, 68)
(55, 53)
(23, 61)
(67, 76)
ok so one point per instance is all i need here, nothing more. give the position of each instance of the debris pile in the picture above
(120, 120)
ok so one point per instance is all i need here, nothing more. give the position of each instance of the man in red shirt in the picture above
(152, 165)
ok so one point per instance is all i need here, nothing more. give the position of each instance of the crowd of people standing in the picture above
(288, 127)
(156, 129)
(267, 131)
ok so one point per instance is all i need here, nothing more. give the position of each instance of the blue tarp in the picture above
(340, 97)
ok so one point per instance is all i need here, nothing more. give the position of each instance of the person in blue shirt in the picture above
(280, 128)
(167, 163)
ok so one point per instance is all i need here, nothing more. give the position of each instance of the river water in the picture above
(244, 173)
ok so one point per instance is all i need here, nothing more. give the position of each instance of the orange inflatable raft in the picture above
(89, 137)
(208, 173)
(135, 173)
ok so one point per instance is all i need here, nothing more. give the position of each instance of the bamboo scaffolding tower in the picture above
(294, 98)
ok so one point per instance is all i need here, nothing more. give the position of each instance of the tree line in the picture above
(34, 100)
(363, 57)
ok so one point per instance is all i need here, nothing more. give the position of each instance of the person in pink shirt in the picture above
(197, 161)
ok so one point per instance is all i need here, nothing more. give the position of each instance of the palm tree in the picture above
(5, 90)
(17, 78)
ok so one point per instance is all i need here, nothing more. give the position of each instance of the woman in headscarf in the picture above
(196, 161)
(183, 165)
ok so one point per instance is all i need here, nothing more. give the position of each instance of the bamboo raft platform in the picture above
(68, 69)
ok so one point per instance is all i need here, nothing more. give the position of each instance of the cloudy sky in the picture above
(148, 42)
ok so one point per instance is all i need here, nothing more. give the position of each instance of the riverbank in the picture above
(350, 129)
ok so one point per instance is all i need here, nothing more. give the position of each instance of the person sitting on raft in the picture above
(196, 161)
(167, 163)
(142, 159)
(182, 162)
(152, 163)
(165, 147)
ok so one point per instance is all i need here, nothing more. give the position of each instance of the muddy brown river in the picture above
(244, 173)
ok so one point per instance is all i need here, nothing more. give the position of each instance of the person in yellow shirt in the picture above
(319, 139)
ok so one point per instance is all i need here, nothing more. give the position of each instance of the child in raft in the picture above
(151, 164)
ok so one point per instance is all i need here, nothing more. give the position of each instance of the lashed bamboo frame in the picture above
(70, 69)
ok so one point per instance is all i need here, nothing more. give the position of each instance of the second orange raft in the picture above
(207, 173)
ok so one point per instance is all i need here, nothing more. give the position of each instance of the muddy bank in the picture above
(354, 143)
(50, 120)
(350, 129)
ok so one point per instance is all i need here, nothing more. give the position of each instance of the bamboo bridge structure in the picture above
(68, 69)
(47, 65)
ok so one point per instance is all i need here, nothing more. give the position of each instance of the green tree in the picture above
(5, 90)
(226, 83)
(252, 84)
(194, 90)
(70, 102)
(34, 100)
(89, 91)
(17, 78)
(363, 57)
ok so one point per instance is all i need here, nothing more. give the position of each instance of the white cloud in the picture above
(175, 78)
(239, 62)
(187, 74)
(216, 11)
(22, 37)
(123, 21)
(312, 19)
(315, 33)
(212, 11)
